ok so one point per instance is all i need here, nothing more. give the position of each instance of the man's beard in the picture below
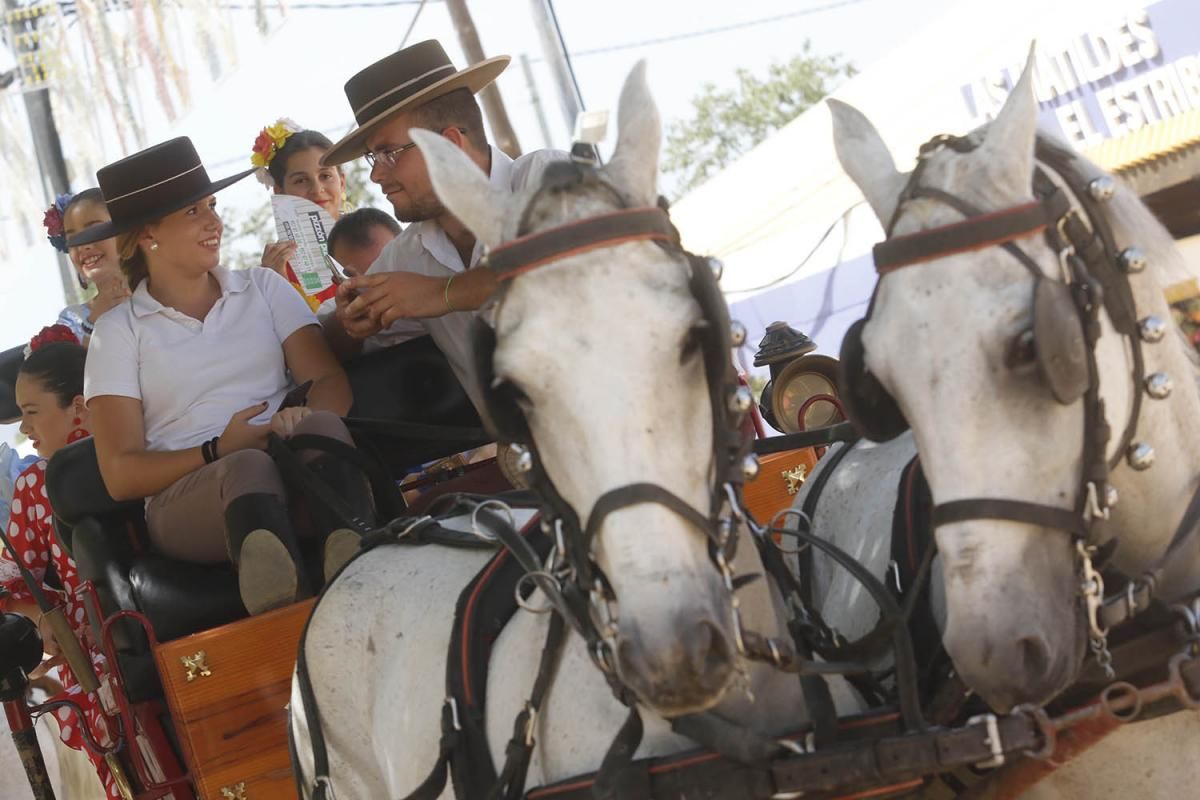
(418, 210)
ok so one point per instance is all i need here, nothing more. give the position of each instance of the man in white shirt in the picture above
(425, 280)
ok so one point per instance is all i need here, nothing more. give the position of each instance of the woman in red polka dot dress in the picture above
(49, 391)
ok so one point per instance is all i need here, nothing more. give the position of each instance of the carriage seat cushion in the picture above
(75, 487)
(181, 598)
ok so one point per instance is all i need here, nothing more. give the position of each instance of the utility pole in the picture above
(555, 52)
(22, 24)
(493, 103)
(535, 97)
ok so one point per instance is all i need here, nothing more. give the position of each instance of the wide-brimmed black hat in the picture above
(403, 80)
(150, 184)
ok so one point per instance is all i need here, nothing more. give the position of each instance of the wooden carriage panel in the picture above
(780, 476)
(228, 689)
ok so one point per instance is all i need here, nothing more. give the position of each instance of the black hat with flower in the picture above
(52, 221)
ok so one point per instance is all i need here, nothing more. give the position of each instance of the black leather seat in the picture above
(411, 382)
(10, 362)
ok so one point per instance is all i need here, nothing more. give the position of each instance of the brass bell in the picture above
(1102, 188)
(750, 467)
(1140, 456)
(1158, 385)
(716, 265)
(524, 458)
(1132, 260)
(1152, 329)
(737, 333)
(740, 400)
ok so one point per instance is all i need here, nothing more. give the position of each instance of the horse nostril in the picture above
(707, 650)
(1035, 658)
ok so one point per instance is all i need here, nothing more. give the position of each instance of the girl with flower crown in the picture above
(49, 392)
(287, 160)
(95, 264)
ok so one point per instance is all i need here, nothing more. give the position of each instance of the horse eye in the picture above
(1022, 351)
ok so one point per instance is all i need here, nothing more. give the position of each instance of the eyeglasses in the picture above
(391, 156)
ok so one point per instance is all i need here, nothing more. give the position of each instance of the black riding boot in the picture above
(263, 549)
(348, 483)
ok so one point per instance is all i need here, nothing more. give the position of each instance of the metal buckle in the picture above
(450, 701)
(324, 781)
(1092, 509)
(993, 740)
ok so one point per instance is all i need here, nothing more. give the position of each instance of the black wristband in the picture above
(214, 442)
(206, 451)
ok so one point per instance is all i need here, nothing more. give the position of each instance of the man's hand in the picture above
(358, 325)
(388, 296)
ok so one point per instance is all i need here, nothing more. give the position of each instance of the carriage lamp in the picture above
(1158, 385)
(1132, 260)
(1152, 329)
(1102, 188)
(1140, 456)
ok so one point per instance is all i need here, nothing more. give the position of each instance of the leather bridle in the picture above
(1074, 227)
(573, 582)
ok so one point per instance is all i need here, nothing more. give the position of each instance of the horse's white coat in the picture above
(591, 342)
(936, 341)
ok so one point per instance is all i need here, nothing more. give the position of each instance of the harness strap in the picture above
(977, 232)
(534, 250)
(1011, 511)
(511, 784)
(1125, 605)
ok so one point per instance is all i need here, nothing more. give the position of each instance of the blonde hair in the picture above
(133, 260)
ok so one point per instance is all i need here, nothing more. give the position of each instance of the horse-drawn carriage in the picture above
(845, 664)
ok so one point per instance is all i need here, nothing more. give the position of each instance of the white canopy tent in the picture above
(792, 229)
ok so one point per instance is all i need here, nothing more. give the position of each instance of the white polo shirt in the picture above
(424, 248)
(192, 376)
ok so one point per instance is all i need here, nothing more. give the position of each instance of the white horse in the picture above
(1006, 593)
(588, 341)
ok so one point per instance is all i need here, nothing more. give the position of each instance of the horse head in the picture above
(971, 343)
(602, 355)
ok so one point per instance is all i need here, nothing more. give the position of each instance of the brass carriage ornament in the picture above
(235, 792)
(197, 667)
(795, 477)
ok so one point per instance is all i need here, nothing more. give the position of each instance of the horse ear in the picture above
(1012, 135)
(462, 187)
(865, 158)
(634, 165)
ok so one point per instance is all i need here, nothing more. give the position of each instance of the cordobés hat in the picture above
(150, 184)
(403, 80)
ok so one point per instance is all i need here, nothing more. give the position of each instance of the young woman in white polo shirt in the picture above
(186, 380)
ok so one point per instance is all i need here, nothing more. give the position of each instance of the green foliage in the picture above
(729, 122)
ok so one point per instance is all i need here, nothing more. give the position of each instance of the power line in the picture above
(719, 29)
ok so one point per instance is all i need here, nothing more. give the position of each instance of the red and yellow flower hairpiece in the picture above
(270, 141)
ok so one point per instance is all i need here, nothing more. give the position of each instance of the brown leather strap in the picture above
(1011, 511)
(604, 230)
(973, 233)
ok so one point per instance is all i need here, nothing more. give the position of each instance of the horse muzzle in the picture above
(684, 669)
